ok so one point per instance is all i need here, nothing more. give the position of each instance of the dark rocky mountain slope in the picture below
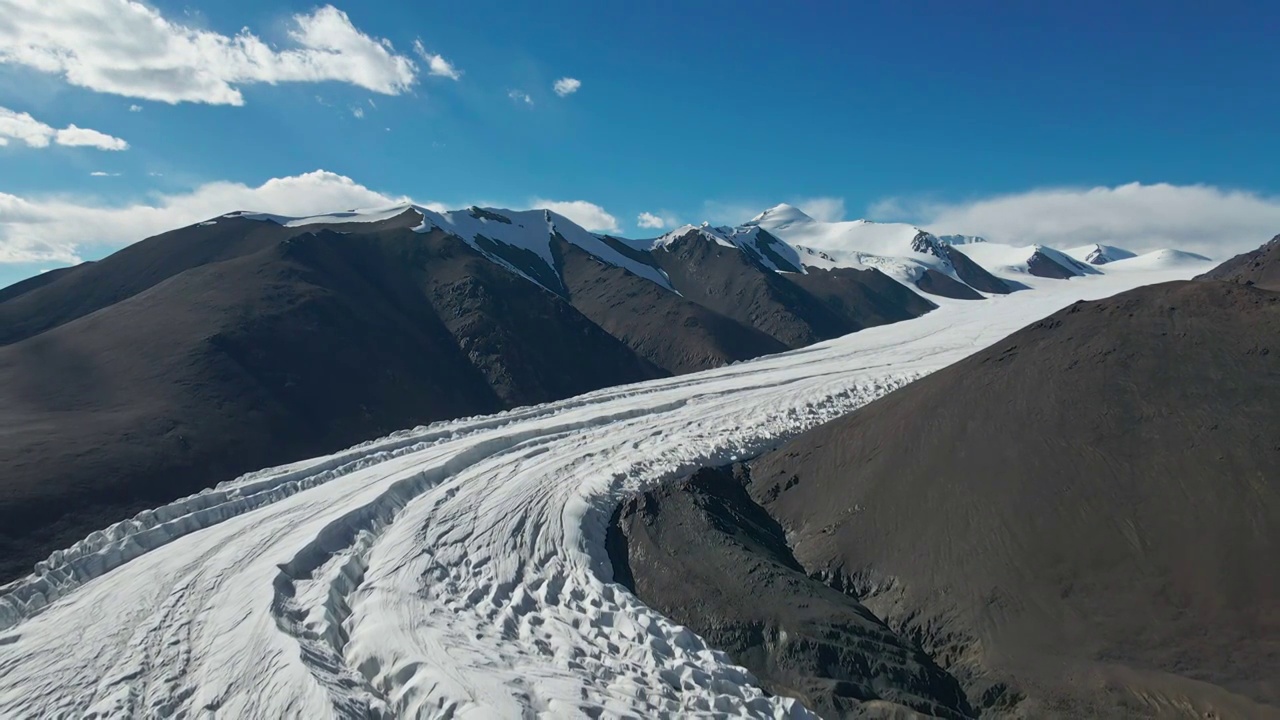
(304, 346)
(794, 309)
(1259, 267)
(1087, 512)
(1082, 520)
(248, 341)
(705, 555)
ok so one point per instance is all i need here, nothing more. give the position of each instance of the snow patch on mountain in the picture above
(759, 244)
(491, 232)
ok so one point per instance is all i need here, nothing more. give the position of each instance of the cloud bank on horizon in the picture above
(1206, 220)
(52, 229)
(1214, 222)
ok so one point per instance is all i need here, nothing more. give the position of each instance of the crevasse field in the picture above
(457, 570)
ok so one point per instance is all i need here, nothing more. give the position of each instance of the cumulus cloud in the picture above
(822, 209)
(358, 112)
(60, 229)
(24, 128)
(587, 214)
(654, 221)
(1199, 218)
(519, 96)
(436, 64)
(567, 86)
(84, 137)
(127, 48)
(103, 173)
(135, 108)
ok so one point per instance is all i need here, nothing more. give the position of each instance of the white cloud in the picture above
(58, 229)
(520, 97)
(23, 127)
(587, 214)
(101, 173)
(135, 108)
(436, 64)
(358, 112)
(84, 137)
(653, 221)
(721, 212)
(127, 48)
(649, 220)
(1198, 218)
(822, 209)
(567, 86)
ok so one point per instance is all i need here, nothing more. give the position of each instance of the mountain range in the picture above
(250, 339)
(1078, 520)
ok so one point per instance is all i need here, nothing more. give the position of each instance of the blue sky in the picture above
(910, 111)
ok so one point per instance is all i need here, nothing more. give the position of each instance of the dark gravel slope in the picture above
(1089, 510)
(1260, 267)
(705, 555)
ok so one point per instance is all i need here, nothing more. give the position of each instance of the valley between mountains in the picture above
(470, 566)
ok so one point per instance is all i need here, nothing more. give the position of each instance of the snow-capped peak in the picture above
(781, 215)
(703, 231)
(519, 240)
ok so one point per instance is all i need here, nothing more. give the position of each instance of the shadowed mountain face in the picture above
(1087, 512)
(1260, 267)
(302, 347)
(936, 283)
(1041, 265)
(225, 347)
(974, 274)
(667, 329)
(796, 310)
(704, 554)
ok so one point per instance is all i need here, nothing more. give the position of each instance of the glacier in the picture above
(455, 570)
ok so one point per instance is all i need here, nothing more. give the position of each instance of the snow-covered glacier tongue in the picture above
(456, 570)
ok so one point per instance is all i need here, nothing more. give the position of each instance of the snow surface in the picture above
(864, 236)
(455, 570)
(860, 244)
(1164, 259)
(1098, 254)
